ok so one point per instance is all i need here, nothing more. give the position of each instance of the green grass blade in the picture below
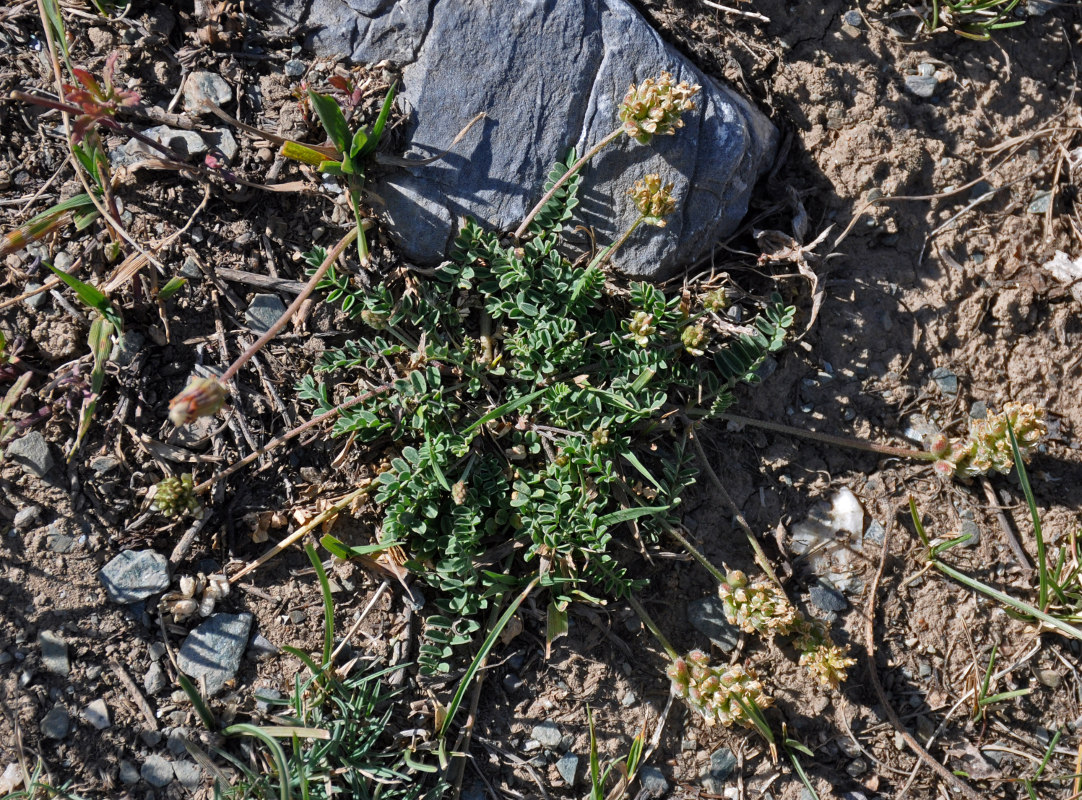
(245, 729)
(330, 114)
(202, 711)
(499, 411)
(482, 654)
(328, 604)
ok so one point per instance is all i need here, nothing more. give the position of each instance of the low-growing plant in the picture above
(330, 736)
(347, 155)
(525, 414)
(973, 19)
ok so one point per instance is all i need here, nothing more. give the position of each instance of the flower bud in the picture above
(200, 398)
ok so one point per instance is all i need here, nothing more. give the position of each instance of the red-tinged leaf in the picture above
(338, 82)
(89, 81)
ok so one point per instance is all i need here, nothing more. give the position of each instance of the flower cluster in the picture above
(757, 607)
(641, 327)
(694, 339)
(653, 200)
(653, 108)
(761, 607)
(175, 496)
(988, 446)
(717, 300)
(195, 594)
(717, 692)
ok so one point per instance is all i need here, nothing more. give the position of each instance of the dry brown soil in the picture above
(937, 274)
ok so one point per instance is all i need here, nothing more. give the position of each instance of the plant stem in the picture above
(317, 276)
(604, 255)
(693, 551)
(840, 441)
(297, 431)
(301, 532)
(651, 626)
(578, 165)
(760, 556)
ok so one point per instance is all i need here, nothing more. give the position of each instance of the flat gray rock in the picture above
(56, 723)
(707, 616)
(135, 575)
(54, 652)
(157, 771)
(204, 87)
(31, 452)
(547, 733)
(97, 714)
(264, 311)
(214, 649)
(552, 79)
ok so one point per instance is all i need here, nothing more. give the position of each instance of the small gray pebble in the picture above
(722, 763)
(26, 517)
(971, 529)
(547, 733)
(946, 380)
(97, 714)
(38, 300)
(135, 575)
(294, 68)
(154, 680)
(261, 647)
(653, 782)
(56, 723)
(921, 85)
(157, 771)
(568, 767)
(103, 465)
(54, 653)
(125, 351)
(129, 775)
(189, 774)
(204, 86)
(152, 738)
(628, 700)
(264, 311)
(979, 410)
(827, 598)
(1040, 203)
(707, 616)
(852, 18)
(32, 453)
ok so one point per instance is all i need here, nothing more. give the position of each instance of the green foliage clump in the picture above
(529, 413)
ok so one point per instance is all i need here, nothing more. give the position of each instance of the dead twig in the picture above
(137, 696)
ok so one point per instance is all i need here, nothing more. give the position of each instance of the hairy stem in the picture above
(578, 165)
(317, 276)
(651, 626)
(693, 551)
(840, 441)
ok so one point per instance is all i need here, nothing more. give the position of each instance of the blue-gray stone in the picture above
(56, 723)
(875, 532)
(294, 68)
(946, 380)
(973, 531)
(31, 452)
(205, 87)
(97, 714)
(125, 351)
(722, 762)
(157, 771)
(135, 575)
(707, 616)
(921, 85)
(653, 782)
(568, 766)
(1040, 203)
(264, 311)
(852, 18)
(552, 79)
(979, 410)
(547, 734)
(827, 599)
(54, 652)
(129, 775)
(188, 773)
(213, 650)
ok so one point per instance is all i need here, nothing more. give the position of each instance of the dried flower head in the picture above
(653, 200)
(712, 691)
(717, 300)
(600, 437)
(641, 327)
(374, 319)
(653, 108)
(758, 606)
(829, 663)
(988, 446)
(825, 660)
(200, 398)
(198, 594)
(694, 339)
(174, 496)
